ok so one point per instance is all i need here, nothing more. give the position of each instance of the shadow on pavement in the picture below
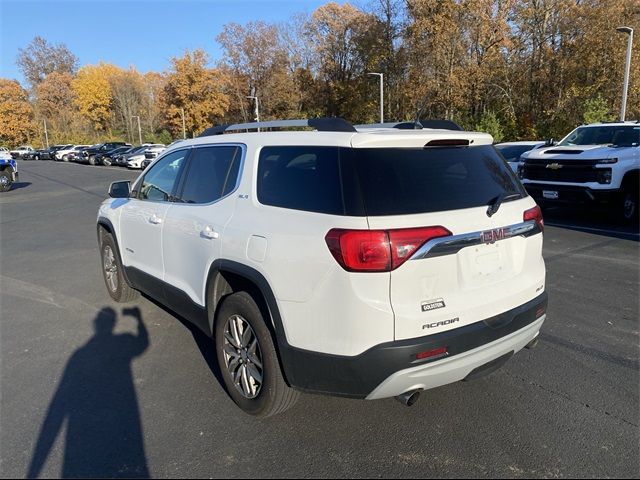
(590, 220)
(204, 342)
(96, 398)
(19, 185)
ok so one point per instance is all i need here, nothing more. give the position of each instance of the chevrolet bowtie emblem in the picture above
(554, 166)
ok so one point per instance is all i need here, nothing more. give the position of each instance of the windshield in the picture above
(512, 152)
(613, 135)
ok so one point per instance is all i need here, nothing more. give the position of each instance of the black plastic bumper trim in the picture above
(358, 376)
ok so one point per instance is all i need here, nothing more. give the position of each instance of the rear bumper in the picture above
(570, 194)
(390, 369)
(460, 367)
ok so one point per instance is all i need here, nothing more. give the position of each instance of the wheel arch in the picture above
(227, 277)
(631, 176)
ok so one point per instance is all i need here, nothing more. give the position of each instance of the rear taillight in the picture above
(534, 214)
(378, 250)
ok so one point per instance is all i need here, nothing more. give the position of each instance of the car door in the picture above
(195, 223)
(143, 215)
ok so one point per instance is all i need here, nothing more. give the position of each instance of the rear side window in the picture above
(398, 181)
(301, 178)
(212, 174)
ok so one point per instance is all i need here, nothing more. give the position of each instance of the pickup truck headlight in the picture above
(607, 161)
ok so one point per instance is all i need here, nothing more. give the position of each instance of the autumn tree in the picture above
(54, 101)
(195, 89)
(15, 113)
(40, 58)
(93, 93)
(127, 98)
(347, 45)
(258, 60)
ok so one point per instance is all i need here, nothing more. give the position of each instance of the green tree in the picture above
(597, 110)
(490, 124)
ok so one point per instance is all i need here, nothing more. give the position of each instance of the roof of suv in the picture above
(362, 138)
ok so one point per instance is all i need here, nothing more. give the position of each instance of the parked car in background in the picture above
(154, 150)
(121, 158)
(135, 161)
(50, 153)
(20, 151)
(64, 154)
(89, 154)
(594, 164)
(512, 151)
(146, 162)
(106, 158)
(35, 154)
(4, 153)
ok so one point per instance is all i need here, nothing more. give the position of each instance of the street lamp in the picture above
(254, 97)
(139, 129)
(381, 75)
(627, 69)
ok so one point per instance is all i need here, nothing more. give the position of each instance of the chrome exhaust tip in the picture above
(409, 398)
(532, 344)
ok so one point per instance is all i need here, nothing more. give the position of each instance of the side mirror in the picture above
(120, 189)
(550, 142)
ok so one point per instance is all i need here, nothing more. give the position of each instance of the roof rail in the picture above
(435, 124)
(327, 124)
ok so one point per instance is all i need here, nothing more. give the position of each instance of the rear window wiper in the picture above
(494, 203)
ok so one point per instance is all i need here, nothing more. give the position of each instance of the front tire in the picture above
(113, 272)
(92, 159)
(629, 202)
(248, 359)
(5, 181)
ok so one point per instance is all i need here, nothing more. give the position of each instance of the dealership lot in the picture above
(568, 408)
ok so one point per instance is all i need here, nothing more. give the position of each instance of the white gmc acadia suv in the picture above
(597, 163)
(366, 263)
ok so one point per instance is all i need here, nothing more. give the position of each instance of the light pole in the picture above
(46, 134)
(257, 109)
(184, 128)
(625, 87)
(381, 75)
(139, 129)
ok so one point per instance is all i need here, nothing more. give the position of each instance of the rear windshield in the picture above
(382, 181)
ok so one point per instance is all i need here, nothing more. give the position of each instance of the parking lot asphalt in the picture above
(79, 402)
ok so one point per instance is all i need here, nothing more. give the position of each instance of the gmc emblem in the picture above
(491, 236)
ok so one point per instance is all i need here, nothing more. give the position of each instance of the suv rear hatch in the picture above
(482, 261)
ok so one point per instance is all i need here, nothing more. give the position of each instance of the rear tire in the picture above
(248, 359)
(113, 272)
(106, 161)
(92, 159)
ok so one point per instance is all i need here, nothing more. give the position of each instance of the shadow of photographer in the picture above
(96, 398)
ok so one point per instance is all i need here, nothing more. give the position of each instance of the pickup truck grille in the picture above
(574, 171)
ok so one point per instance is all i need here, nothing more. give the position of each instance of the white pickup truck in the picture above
(595, 163)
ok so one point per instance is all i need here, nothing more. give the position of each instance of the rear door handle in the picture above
(209, 232)
(156, 220)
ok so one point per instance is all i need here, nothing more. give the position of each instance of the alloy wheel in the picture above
(243, 357)
(110, 268)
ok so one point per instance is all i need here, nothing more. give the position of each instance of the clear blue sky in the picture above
(143, 33)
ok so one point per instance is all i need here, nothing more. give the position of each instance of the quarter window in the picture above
(212, 173)
(160, 182)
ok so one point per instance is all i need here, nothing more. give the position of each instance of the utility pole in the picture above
(46, 134)
(381, 75)
(627, 69)
(184, 128)
(139, 129)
